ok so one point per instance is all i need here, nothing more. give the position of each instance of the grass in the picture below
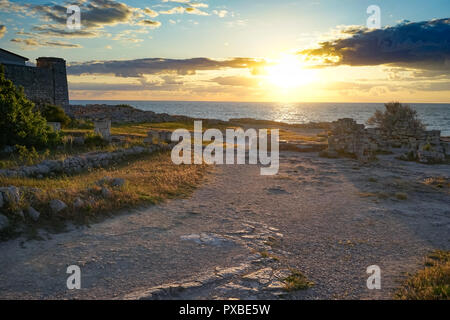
(66, 150)
(430, 283)
(294, 136)
(150, 179)
(296, 281)
(141, 129)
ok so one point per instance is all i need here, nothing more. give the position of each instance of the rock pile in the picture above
(79, 163)
(347, 137)
(157, 136)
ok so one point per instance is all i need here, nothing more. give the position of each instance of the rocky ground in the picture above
(241, 233)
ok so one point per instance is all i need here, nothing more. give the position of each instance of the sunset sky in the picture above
(240, 50)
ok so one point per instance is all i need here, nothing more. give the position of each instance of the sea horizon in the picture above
(436, 116)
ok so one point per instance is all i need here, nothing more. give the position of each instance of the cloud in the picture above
(151, 13)
(31, 42)
(418, 45)
(220, 13)
(2, 31)
(139, 67)
(57, 31)
(189, 10)
(150, 23)
(236, 81)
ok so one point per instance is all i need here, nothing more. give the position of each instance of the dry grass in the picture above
(438, 182)
(430, 283)
(149, 179)
(294, 136)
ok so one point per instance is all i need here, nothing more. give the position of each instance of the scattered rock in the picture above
(78, 203)
(117, 182)
(78, 141)
(57, 206)
(33, 213)
(106, 193)
(11, 195)
(4, 222)
(19, 213)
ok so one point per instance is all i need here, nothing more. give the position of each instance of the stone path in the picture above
(240, 234)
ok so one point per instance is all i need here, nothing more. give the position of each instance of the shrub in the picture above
(55, 114)
(94, 140)
(19, 124)
(30, 156)
(395, 114)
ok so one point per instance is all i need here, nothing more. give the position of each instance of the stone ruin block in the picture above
(158, 136)
(103, 128)
(56, 126)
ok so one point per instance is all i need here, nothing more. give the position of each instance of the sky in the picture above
(240, 50)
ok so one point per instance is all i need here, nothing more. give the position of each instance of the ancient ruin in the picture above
(44, 84)
(349, 138)
(103, 128)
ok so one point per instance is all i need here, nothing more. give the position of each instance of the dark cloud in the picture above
(95, 13)
(419, 45)
(139, 67)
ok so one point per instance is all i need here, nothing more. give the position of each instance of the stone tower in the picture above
(57, 66)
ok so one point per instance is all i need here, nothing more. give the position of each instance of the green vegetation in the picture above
(430, 283)
(395, 114)
(55, 114)
(94, 140)
(296, 281)
(19, 124)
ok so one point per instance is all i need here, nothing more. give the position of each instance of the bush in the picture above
(394, 115)
(19, 124)
(94, 140)
(55, 114)
(30, 157)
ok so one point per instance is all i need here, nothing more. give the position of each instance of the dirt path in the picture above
(238, 235)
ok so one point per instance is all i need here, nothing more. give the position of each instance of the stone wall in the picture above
(347, 137)
(79, 163)
(45, 83)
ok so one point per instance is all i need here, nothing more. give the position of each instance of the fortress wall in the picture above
(37, 83)
(46, 83)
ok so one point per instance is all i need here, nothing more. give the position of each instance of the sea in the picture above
(436, 116)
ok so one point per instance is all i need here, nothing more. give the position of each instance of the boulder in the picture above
(33, 213)
(1, 200)
(57, 206)
(11, 195)
(78, 203)
(117, 182)
(106, 193)
(4, 222)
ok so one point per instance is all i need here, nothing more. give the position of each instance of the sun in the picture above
(289, 72)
